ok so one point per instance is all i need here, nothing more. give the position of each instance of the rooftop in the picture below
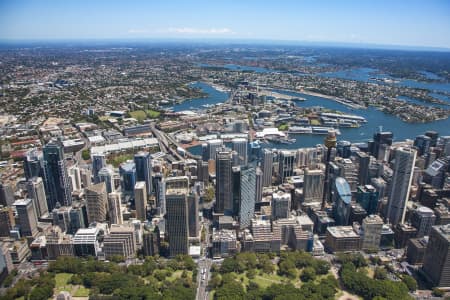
(342, 232)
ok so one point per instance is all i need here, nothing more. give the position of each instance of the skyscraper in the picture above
(436, 264)
(247, 199)
(382, 142)
(114, 211)
(36, 191)
(160, 193)
(371, 229)
(367, 197)
(7, 221)
(194, 227)
(423, 219)
(363, 160)
(281, 205)
(106, 175)
(405, 158)
(210, 149)
(56, 179)
(143, 164)
(224, 196)
(27, 217)
(74, 177)
(267, 166)
(127, 172)
(33, 164)
(98, 162)
(313, 186)
(286, 164)
(259, 184)
(341, 197)
(177, 225)
(140, 200)
(96, 202)
(240, 145)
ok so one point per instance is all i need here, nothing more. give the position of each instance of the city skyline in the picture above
(398, 23)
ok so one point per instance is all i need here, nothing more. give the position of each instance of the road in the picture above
(204, 265)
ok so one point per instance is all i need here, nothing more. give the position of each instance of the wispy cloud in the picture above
(185, 31)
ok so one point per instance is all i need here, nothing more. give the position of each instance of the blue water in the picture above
(214, 97)
(358, 74)
(374, 117)
(364, 74)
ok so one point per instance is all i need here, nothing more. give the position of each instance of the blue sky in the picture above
(407, 22)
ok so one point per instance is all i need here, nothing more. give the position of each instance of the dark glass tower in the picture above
(143, 164)
(57, 184)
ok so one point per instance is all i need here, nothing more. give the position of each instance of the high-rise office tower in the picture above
(96, 202)
(127, 172)
(363, 160)
(177, 220)
(405, 158)
(56, 179)
(433, 135)
(286, 162)
(75, 178)
(367, 197)
(267, 166)
(7, 221)
(143, 163)
(86, 179)
(382, 142)
(343, 149)
(422, 143)
(210, 148)
(423, 218)
(240, 145)
(98, 162)
(140, 200)
(436, 264)
(341, 197)
(106, 175)
(281, 205)
(114, 208)
(194, 226)
(313, 186)
(6, 194)
(224, 196)
(371, 229)
(27, 217)
(33, 164)
(160, 193)
(259, 184)
(247, 196)
(36, 191)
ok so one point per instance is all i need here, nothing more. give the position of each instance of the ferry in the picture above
(298, 99)
(300, 129)
(324, 130)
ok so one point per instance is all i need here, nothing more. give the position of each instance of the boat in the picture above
(324, 130)
(300, 129)
(299, 99)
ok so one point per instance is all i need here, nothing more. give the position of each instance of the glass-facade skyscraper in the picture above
(56, 179)
(143, 164)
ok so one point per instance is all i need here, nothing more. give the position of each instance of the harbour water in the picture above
(375, 120)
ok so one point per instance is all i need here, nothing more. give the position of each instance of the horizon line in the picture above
(224, 41)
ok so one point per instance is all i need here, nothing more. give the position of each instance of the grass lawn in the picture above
(139, 115)
(62, 284)
(315, 122)
(116, 160)
(153, 114)
(81, 292)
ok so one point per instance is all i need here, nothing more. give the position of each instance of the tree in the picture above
(308, 274)
(86, 154)
(380, 273)
(210, 193)
(437, 292)
(251, 273)
(410, 282)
